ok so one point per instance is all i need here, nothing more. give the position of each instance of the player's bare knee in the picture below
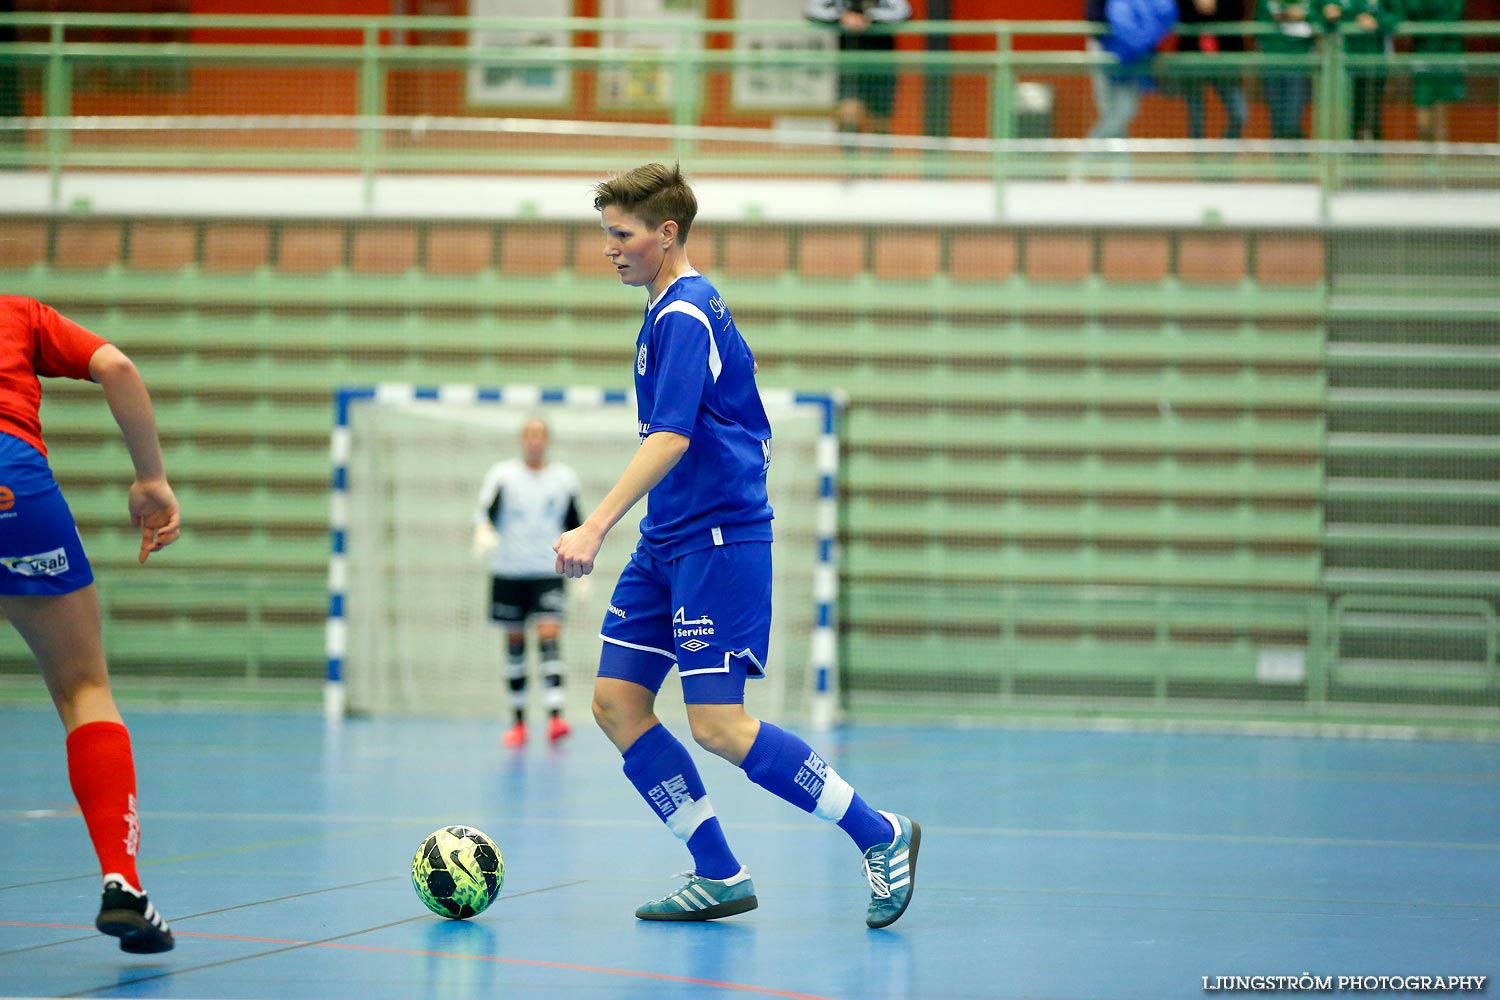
(602, 715)
(722, 736)
(615, 716)
(713, 738)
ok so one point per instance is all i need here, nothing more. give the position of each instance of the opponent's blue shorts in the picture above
(40, 551)
(707, 612)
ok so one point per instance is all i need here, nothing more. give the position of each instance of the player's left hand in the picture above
(153, 509)
(576, 551)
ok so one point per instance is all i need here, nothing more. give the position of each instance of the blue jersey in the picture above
(695, 376)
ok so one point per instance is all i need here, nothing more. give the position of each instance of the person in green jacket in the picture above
(1433, 91)
(1286, 88)
(1364, 27)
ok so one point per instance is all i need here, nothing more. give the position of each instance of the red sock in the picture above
(102, 772)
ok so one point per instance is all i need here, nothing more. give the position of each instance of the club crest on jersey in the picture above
(54, 563)
(640, 361)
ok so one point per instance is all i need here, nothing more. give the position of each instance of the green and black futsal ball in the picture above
(457, 872)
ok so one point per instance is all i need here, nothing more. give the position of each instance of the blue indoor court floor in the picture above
(1055, 865)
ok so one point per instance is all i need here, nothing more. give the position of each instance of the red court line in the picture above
(537, 963)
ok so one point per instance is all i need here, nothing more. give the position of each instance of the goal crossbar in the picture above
(824, 407)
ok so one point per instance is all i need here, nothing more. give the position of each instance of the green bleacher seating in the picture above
(1034, 410)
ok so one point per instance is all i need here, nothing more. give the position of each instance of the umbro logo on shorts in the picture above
(54, 563)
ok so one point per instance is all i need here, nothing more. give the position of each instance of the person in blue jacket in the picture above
(1136, 28)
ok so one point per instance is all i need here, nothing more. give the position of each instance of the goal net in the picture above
(409, 630)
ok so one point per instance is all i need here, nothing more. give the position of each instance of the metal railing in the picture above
(368, 57)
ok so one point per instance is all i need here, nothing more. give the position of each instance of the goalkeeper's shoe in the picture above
(704, 899)
(892, 871)
(515, 736)
(126, 913)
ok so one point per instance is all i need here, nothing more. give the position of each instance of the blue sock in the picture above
(662, 771)
(785, 766)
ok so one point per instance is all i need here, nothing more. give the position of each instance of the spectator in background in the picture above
(1286, 89)
(1364, 26)
(867, 95)
(11, 105)
(1136, 28)
(1432, 92)
(1226, 83)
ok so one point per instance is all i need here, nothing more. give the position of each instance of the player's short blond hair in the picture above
(653, 193)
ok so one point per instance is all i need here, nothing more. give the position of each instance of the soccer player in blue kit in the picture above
(696, 593)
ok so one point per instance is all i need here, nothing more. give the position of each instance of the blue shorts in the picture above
(40, 551)
(707, 612)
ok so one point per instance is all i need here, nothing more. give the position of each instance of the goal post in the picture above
(408, 628)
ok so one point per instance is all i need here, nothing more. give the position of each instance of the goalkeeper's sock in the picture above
(659, 767)
(784, 765)
(552, 672)
(515, 670)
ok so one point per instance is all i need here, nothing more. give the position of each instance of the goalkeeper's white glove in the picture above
(486, 540)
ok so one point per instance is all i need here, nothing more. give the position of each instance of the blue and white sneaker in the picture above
(704, 899)
(892, 871)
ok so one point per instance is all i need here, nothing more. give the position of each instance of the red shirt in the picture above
(36, 340)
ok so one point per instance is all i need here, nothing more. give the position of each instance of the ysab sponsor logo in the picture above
(54, 563)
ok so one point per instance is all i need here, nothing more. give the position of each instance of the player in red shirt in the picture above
(47, 587)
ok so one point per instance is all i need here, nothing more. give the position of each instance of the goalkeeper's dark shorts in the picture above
(514, 600)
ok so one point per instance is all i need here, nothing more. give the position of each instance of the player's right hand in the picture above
(153, 509)
(576, 551)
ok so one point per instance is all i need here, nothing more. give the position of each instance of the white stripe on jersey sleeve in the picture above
(715, 365)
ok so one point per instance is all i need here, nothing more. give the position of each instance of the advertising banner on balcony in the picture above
(511, 82)
(782, 88)
(646, 85)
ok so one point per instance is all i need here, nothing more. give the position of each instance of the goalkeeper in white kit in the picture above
(524, 504)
